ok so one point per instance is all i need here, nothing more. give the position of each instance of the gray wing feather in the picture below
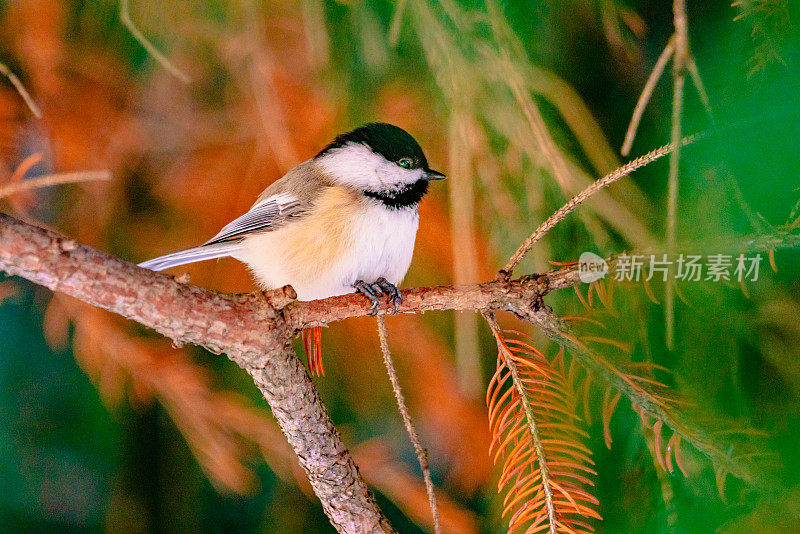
(265, 215)
(191, 255)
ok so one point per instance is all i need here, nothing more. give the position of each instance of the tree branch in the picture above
(248, 328)
(647, 92)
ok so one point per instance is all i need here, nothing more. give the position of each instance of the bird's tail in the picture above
(201, 253)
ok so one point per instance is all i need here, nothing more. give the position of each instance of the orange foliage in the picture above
(221, 429)
(546, 469)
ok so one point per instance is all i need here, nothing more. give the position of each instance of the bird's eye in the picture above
(406, 163)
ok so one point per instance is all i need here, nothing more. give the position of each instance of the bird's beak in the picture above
(432, 175)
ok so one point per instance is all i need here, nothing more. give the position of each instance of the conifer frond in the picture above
(546, 470)
(667, 419)
(654, 402)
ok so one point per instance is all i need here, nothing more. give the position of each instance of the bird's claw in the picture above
(368, 291)
(379, 288)
(391, 290)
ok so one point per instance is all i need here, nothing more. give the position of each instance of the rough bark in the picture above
(520, 297)
(248, 328)
(254, 331)
(305, 423)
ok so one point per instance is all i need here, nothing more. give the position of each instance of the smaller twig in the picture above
(681, 23)
(125, 17)
(672, 207)
(647, 92)
(558, 165)
(53, 179)
(575, 201)
(679, 78)
(677, 47)
(422, 454)
(21, 90)
(691, 66)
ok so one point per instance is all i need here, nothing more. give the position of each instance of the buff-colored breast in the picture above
(307, 252)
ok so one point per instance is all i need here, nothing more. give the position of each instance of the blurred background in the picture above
(104, 426)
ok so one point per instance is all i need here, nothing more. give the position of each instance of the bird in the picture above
(343, 221)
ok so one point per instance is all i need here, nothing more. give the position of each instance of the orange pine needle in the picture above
(681, 294)
(580, 296)
(592, 285)
(25, 166)
(585, 393)
(649, 290)
(657, 443)
(624, 347)
(568, 497)
(772, 260)
(679, 457)
(743, 287)
(648, 366)
(647, 380)
(572, 318)
(668, 455)
(609, 405)
(603, 294)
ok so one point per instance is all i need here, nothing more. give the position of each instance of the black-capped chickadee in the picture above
(342, 221)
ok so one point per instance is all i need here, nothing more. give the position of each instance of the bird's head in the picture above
(382, 160)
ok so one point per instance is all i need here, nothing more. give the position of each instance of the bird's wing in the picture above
(267, 214)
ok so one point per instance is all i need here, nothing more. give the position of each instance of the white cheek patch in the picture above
(353, 164)
(394, 177)
(356, 165)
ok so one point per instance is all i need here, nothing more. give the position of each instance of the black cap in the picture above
(389, 141)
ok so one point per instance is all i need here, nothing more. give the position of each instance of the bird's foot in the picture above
(391, 290)
(377, 289)
(371, 292)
